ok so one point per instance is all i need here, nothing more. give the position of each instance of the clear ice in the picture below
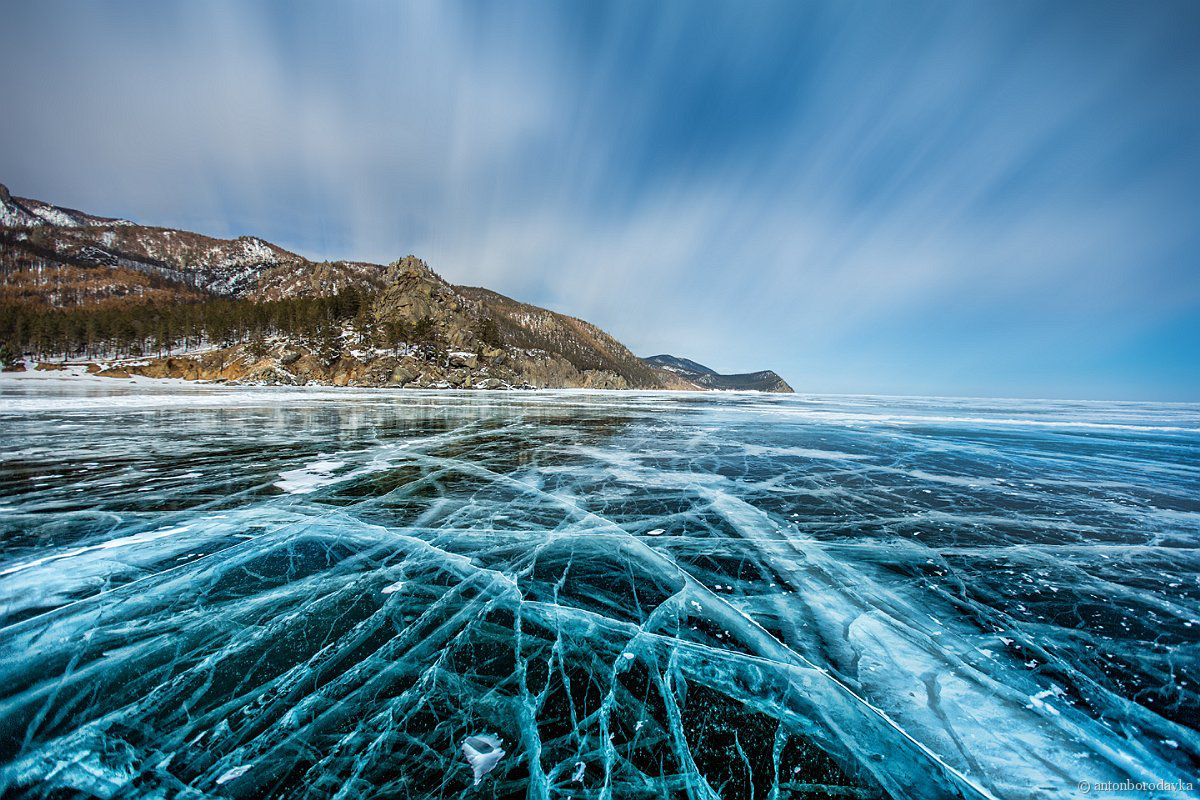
(231, 592)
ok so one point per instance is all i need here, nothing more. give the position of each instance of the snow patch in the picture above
(310, 477)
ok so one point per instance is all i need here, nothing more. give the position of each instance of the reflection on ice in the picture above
(588, 595)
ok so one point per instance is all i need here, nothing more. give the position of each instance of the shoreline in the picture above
(95, 372)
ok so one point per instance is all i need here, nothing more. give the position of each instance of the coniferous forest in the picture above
(157, 329)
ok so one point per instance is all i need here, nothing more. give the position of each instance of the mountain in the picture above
(680, 366)
(137, 299)
(707, 378)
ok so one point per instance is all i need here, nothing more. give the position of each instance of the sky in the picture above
(948, 198)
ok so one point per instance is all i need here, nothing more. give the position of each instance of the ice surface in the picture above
(210, 591)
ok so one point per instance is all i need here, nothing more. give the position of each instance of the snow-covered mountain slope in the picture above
(27, 212)
(45, 235)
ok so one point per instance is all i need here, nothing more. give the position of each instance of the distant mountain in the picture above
(707, 378)
(681, 366)
(172, 303)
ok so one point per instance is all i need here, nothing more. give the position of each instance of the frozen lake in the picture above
(242, 592)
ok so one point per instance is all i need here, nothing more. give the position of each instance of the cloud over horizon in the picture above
(919, 198)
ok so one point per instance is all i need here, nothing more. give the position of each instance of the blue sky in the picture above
(985, 198)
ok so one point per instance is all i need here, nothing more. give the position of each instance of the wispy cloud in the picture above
(927, 197)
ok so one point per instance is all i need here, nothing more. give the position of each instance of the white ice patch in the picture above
(1038, 700)
(310, 477)
(124, 541)
(482, 752)
(800, 452)
(231, 774)
(393, 588)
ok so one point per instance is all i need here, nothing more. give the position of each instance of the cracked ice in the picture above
(220, 592)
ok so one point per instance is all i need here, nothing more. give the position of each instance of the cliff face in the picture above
(583, 347)
(170, 303)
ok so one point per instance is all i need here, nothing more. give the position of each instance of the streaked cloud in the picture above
(931, 197)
